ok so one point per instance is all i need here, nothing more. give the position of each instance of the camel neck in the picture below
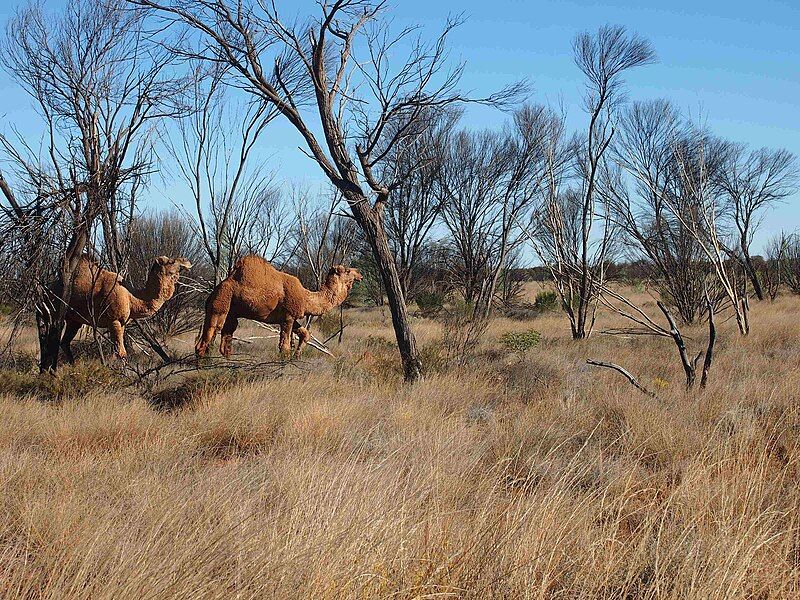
(325, 299)
(146, 301)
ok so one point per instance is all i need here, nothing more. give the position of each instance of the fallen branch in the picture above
(626, 374)
(313, 342)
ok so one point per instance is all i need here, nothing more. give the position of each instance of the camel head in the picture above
(342, 276)
(165, 266)
(164, 274)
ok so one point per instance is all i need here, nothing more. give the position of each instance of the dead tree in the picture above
(697, 203)
(772, 270)
(646, 325)
(636, 189)
(786, 254)
(99, 86)
(603, 58)
(470, 214)
(414, 206)
(238, 206)
(350, 112)
(489, 183)
(752, 182)
(572, 231)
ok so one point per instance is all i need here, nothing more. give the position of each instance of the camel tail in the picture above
(218, 305)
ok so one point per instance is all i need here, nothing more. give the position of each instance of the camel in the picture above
(99, 299)
(258, 291)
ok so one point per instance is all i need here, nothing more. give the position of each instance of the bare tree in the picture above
(415, 164)
(474, 165)
(489, 184)
(238, 207)
(753, 182)
(774, 260)
(697, 203)
(785, 251)
(637, 188)
(361, 107)
(100, 87)
(603, 58)
(565, 231)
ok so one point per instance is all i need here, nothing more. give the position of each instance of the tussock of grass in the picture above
(517, 476)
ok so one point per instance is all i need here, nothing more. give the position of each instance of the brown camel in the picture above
(256, 290)
(99, 299)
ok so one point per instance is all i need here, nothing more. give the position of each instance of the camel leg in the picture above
(213, 324)
(218, 306)
(226, 342)
(285, 343)
(70, 332)
(302, 335)
(117, 330)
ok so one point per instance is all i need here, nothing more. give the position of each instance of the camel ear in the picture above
(162, 260)
(332, 271)
(341, 270)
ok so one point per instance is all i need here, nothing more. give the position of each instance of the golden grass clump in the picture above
(517, 475)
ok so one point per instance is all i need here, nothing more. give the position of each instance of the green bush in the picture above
(521, 341)
(546, 301)
(430, 303)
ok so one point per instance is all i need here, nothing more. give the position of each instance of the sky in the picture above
(734, 65)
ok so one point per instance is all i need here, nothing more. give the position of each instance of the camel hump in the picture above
(251, 266)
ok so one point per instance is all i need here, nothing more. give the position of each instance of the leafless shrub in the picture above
(752, 182)
(170, 234)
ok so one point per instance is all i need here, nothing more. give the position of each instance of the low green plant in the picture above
(521, 341)
(546, 301)
(430, 303)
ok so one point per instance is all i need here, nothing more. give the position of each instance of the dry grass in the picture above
(521, 476)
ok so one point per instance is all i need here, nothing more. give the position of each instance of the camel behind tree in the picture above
(99, 299)
(256, 290)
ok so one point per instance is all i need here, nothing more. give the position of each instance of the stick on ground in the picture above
(626, 374)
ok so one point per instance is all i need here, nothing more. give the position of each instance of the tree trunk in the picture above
(372, 226)
(751, 274)
(579, 330)
(50, 330)
(52, 308)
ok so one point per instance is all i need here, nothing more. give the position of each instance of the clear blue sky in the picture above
(736, 64)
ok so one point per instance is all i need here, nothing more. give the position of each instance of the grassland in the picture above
(519, 475)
